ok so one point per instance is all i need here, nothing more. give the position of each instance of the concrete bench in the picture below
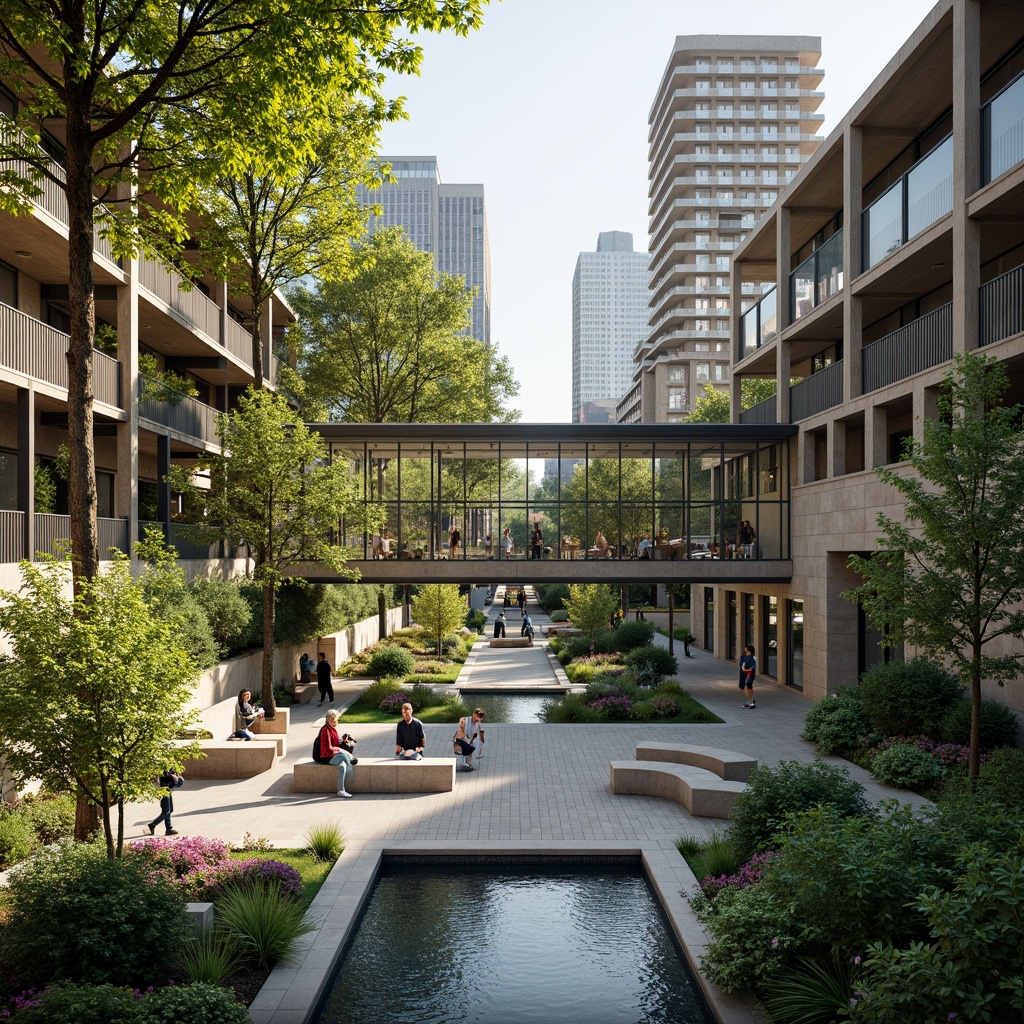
(378, 775)
(726, 764)
(701, 792)
(232, 759)
(511, 641)
(563, 629)
(304, 692)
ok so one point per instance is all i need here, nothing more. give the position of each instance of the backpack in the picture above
(316, 751)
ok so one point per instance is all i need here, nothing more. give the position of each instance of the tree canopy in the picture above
(440, 609)
(949, 577)
(385, 345)
(95, 690)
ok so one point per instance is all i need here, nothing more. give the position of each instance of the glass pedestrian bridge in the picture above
(565, 502)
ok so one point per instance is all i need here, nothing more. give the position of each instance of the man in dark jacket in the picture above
(323, 679)
(409, 738)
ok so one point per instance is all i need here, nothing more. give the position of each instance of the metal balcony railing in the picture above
(53, 531)
(1001, 306)
(12, 535)
(30, 347)
(920, 344)
(822, 390)
(186, 416)
(763, 412)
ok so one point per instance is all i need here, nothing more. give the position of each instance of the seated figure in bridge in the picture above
(604, 549)
(645, 549)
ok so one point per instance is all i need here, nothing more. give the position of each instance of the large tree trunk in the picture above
(267, 681)
(258, 306)
(974, 758)
(82, 500)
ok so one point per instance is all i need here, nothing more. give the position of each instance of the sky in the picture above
(547, 107)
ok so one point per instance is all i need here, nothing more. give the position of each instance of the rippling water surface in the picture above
(482, 944)
(508, 707)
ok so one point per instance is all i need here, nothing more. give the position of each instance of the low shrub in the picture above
(614, 707)
(838, 725)
(571, 709)
(194, 1004)
(773, 792)
(392, 703)
(908, 697)
(52, 815)
(664, 707)
(17, 840)
(84, 1004)
(551, 597)
(579, 646)
(907, 766)
(325, 841)
(211, 958)
(587, 668)
(476, 619)
(651, 664)
(997, 723)
(391, 662)
(451, 647)
(376, 692)
(714, 882)
(75, 915)
(422, 696)
(1000, 778)
(559, 615)
(265, 924)
(631, 635)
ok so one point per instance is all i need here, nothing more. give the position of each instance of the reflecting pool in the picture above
(502, 941)
(509, 707)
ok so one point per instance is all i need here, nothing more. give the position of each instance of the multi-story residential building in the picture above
(202, 334)
(733, 121)
(609, 318)
(899, 245)
(448, 221)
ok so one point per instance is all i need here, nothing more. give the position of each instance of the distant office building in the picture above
(448, 221)
(609, 320)
(733, 121)
(601, 411)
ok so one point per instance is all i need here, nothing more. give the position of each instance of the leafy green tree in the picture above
(713, 405)
(385, 345)
(590, 606)
(949, 576)
(94, 690)
(269, 226)
(440, 609)
(600, 486)
(272, 488)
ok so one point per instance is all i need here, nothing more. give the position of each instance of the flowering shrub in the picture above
(432, 668)
(264, 873)
(749, 874)
(175, 859)
(663, 707)
(600, 659)
(614, 706)
(946, 754)
(393, 702)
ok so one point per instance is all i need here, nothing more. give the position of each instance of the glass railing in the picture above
(1002, 120)
(759, 325)
(817, 279)
(922, 196)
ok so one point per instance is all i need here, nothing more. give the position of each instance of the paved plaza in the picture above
(539, 789)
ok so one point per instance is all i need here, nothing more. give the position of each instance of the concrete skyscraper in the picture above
(448, 221)
(609, 320)
(734, 119)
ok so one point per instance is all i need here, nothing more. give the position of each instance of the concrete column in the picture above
(126, 495)
(735, 311)
(853, 199)
(783, 257)
(27, 469)
(926, 407)
(805, 457)
(876, 438)
(836, 449)
(966, 171)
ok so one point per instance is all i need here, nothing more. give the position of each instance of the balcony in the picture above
(32, 348)
(921, 197)
(759, 327)
(185, 548)
(186, 416)
(923, 343)
(763, 412)
(12, 543)
(1001, 307)
(817, 279)
(822, 390)
(53, 531)
(1002, 121)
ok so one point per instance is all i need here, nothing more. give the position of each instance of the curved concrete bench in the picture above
(726, 764)
(232, 759)
(511, 641)
(701, 792)
(378, 775)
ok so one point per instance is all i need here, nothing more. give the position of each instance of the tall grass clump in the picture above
(265, 924)
(325, 841)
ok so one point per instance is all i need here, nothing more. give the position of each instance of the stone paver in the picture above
(538, 788)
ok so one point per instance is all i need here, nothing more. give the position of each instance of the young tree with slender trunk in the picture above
(440, 609)
(949, 577)
(95, 691)
(274, 489)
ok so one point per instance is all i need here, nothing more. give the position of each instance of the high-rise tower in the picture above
(734, 119)
(448, 221)
(609, 319)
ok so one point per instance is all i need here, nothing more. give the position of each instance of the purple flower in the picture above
(856, 959)
(775, 942)
(951, 1016)
(749, 874)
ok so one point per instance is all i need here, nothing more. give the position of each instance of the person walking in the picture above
(745, 539)
(521, 601)
(170, 780)
(453, 543)
(748, 670)
(507, 601)
(323, 679)
(537, 542)
(506, 545)
(329, 748)
(527, 629)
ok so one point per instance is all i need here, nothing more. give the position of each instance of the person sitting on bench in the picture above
(409, 738)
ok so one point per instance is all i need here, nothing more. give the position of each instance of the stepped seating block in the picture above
(232, 759)
(701, 792)
(378, 775)
(726, 764)
(511, 641)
